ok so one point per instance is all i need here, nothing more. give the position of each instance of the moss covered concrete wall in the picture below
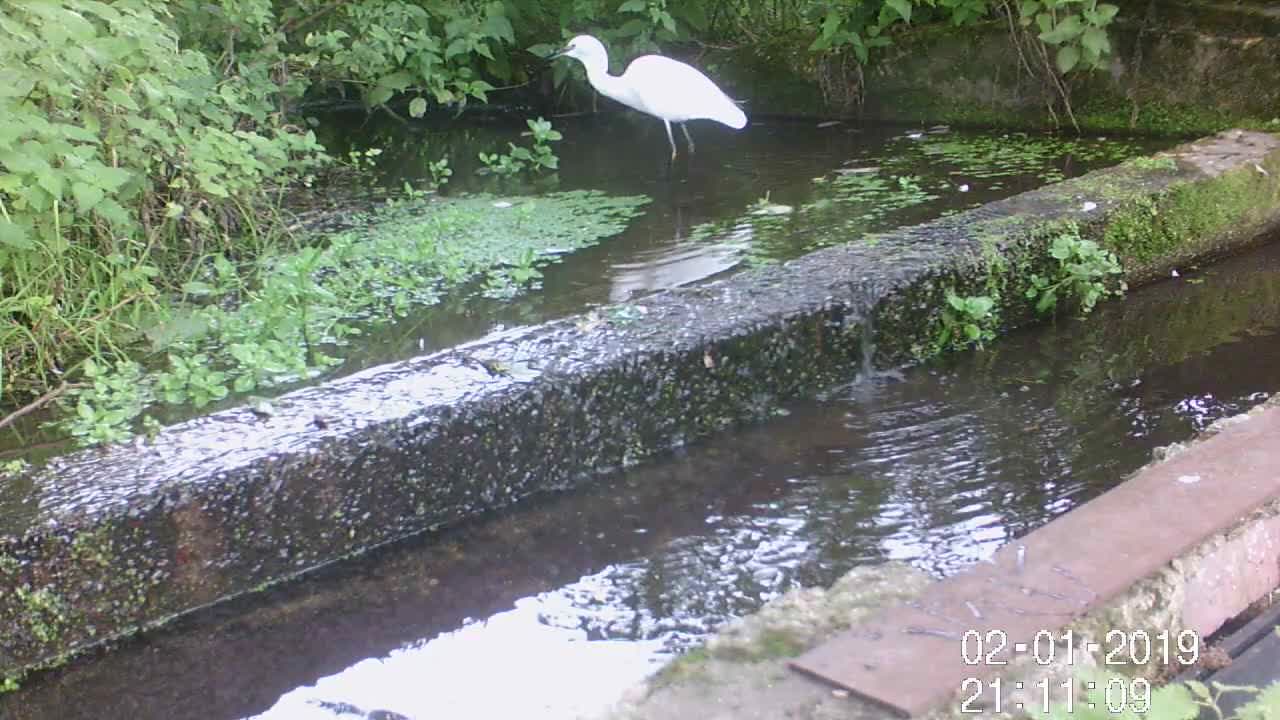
(1178, 67)
(106, 541)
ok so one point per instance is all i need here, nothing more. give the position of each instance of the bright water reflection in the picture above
(936, 466)
(502, 667)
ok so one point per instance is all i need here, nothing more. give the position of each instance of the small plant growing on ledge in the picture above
(1083, 268)
(966, 320)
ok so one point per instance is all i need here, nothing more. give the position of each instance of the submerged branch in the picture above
(38, 403)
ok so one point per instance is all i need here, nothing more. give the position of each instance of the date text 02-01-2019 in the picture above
(1118, 647)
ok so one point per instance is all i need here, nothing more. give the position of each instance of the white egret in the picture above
(659, 86)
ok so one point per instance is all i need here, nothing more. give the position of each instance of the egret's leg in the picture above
(685, 128)
(671, 139)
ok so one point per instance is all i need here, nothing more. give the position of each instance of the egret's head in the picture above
(586, 49)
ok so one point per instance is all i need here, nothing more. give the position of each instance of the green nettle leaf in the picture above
(120, 97)
(51, 181)
(459, 46)
(15, 236)
(1095, 40)
(113, 212)
(1045, 21)
(632, 27)
(902, 7)
(397, 81)
(669, 23)
(106, 177)
(1068, 57)
(635, 6)
(478, 89)
(499, 26)
(1105, 13)
(830, 24)
(418, 107)
(86, 195)
(1068, 28)
(379, 95)
(1047, 300)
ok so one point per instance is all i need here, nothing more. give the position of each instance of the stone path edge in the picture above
(967, 628)
(746, 670)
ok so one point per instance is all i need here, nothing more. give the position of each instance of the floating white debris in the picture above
(772, 209)
(502, 204)
(828, 123)
(1174, 273)
(915, 135)
(964, 187)
(1188, 479)
(1089, 206)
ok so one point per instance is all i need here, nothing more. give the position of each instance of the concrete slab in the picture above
(100, 543)
(1037, 585)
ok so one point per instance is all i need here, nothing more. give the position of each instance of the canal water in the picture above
(770, 193)
(551, 610)
(766, 194)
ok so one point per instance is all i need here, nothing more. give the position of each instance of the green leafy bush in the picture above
(145, 147)
(1077, 28)
(122, 157)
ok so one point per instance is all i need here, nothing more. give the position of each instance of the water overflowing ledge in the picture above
(102, 542)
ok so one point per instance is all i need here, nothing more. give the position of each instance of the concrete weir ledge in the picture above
(100, 543)
(1136, 578)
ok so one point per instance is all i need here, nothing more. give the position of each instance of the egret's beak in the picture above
(559, 53)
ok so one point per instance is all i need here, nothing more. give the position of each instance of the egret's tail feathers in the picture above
(734, 117)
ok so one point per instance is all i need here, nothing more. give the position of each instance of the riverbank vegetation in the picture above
(150, 152)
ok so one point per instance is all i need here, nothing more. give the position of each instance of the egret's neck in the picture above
(604, 83)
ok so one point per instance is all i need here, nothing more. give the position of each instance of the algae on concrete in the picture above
(428, 442)
(1177, 68)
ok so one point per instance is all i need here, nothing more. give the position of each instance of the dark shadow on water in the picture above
(558, 606)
